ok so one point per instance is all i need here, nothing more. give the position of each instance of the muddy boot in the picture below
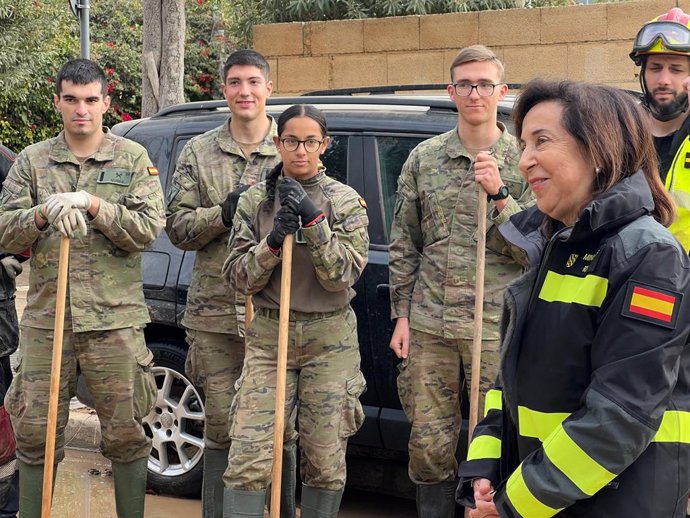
(319, 503)
(243, 504)
(215, 463)
(31, 489)
(436, 500)
(129, 480)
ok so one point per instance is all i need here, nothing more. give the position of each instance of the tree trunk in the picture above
(163, 55)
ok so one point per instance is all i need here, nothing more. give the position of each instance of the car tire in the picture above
(175, 426)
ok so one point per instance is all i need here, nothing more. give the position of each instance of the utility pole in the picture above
(80, 9)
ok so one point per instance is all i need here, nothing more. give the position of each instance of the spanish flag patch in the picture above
(362, 203)
(153, 171)
(652, 305)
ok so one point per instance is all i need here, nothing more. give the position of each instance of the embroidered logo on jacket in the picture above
(652, 305)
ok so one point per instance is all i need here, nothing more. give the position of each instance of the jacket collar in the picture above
(229, 145)
(61, 153)
(455, 149)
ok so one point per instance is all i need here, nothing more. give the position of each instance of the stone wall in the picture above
(581, 42)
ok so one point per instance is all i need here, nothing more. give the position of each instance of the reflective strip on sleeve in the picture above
(493, 401)
(588, 291)
(675, 427)
(587, 474)
(532, 423)
(522, 499)
(484, 447)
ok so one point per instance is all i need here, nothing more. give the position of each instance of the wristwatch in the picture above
(502, 194)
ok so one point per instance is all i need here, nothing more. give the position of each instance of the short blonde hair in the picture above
(476, 53)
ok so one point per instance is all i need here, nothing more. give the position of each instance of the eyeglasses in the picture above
(674, 36)
(311, 145)
(464, 88)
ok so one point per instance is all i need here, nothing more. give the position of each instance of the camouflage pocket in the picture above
(145, 389)
(352, 417)
(193, 366)
(15, 399)
(233, 406)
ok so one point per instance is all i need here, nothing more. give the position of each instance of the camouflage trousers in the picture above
(322, 374)
(214, 363)
(116, 365)
(429, 386)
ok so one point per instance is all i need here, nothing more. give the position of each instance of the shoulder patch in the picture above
(362, 202)
(153, 171)
(651, 304)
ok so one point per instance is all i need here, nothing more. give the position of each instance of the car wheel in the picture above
(175, 426)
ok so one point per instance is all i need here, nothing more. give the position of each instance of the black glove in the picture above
(285, 222)
(229, 206)
(292, 195)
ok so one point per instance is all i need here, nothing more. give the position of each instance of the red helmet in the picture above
(665, 34)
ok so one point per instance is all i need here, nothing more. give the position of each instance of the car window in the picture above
(335, 158)
(392, 153)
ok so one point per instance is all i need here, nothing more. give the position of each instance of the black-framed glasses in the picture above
(484, 89)
(311, 145)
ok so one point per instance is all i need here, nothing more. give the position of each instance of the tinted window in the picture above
(392, 153)
(335, 158)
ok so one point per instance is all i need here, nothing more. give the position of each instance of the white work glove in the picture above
(63, 201)
(71, 222)
(12, 266)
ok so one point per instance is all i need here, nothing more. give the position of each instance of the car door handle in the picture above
(383, 290)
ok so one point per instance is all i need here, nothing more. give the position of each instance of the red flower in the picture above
(51, 80)
(110, 44)
(126, 117)
(109, 71)
(33, 127)
(111, 88)
(200, 2)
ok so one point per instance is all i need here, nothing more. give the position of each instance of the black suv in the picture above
(371, 139)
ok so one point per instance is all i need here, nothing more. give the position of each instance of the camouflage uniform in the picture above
(105, 308)
(432, 275)
(210, 166)
(323, 351)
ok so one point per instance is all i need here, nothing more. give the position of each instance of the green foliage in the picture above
(38, 36)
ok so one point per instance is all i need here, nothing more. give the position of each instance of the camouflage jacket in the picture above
(210, 166)
(433, 239)
(105, 289)
(328, 257)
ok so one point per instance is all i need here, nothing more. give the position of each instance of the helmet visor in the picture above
(674, 37)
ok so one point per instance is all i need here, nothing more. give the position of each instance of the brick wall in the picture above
(581, 42)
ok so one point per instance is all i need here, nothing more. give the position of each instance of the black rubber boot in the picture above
(319, 503)
(215, 463)
(243, 504)
(129, 480)
(436, 500)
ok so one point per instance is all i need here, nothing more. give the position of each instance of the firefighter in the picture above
(588, 415)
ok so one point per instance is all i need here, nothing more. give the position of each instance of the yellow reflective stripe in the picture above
(484, 447)
(678, 185)
(588, 291)
(532, 423)
(524, 502)
(681, 226)
(493, 401)
(582, 470)
(675, 427)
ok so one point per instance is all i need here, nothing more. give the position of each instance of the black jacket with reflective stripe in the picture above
(595, 373)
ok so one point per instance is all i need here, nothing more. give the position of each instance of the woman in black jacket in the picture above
(591, 412)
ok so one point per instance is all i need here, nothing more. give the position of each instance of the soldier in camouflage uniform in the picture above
(102, 192)
(330, 253)
(212, 170)
(432, 269)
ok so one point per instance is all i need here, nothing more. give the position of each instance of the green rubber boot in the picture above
(215, 463)
(129, 480)
(288, 483)
(436, 500)
(243, 504)
(31, 489)
(320, 503)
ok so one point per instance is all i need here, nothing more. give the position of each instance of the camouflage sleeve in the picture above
(134, 222)
(18, 229)
(340, 254)
(406, 240)
(189, 224)
(250, 261)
